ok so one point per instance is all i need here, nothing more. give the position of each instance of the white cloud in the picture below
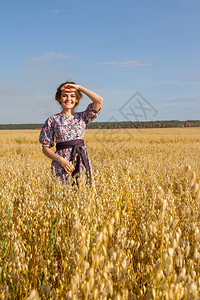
(51, 55)
(189, 99)
(181, 100)
(191, 77)
(125, 64)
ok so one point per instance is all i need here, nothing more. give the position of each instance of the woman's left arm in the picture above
(97, 100)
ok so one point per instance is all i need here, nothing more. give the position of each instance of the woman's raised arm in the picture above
(97, 100)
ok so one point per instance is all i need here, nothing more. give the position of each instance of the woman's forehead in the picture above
(69, 91)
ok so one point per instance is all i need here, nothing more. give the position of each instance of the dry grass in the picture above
(134, 235)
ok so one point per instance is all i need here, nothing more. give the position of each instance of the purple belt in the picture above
(77, 149)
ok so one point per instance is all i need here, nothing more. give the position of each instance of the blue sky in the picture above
(115, 48)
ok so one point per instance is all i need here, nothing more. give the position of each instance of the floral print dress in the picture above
(62, 128)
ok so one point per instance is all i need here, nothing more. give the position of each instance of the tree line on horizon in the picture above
(116, 125)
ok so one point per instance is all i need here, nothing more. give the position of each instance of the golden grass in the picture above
(134, 234)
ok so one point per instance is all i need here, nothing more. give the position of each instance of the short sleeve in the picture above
(46, 137)
(90, 114)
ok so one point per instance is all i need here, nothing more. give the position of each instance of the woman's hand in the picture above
(67, 165)
(71, 87)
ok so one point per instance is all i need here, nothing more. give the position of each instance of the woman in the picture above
(68, 129)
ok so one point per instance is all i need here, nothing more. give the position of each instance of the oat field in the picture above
(135, 234)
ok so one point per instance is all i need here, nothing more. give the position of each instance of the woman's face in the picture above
(68, 98)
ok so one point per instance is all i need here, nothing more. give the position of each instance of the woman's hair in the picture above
(77, 93)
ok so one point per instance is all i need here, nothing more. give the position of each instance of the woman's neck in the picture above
(68, 112)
